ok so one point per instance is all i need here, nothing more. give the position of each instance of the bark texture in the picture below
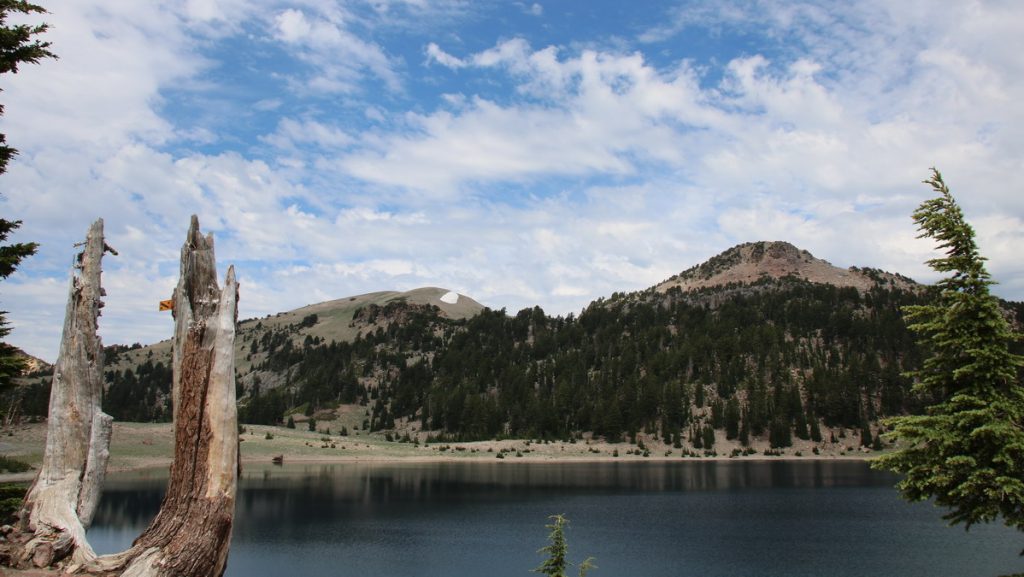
(191, 534)
(61, 502)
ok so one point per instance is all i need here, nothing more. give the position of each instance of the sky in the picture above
(521, 153)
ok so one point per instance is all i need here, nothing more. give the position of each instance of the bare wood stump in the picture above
(190, 536)
(61, 501)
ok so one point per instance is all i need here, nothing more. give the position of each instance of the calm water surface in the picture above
(653, 519)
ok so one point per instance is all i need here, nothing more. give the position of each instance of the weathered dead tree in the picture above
(61, 502)
(191, 534)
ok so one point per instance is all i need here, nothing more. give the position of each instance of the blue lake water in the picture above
(638, 519)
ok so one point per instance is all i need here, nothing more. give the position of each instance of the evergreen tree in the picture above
(780, 434)
(557, 551)
(967, 450)
(732, 419)
(312, 424)
(291, 422)
(18, 45)
(709, 437)
(718, 414)
(744, 431)
(865, 434)
(815, 428)
(697, 436)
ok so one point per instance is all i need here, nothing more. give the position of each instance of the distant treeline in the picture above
(779, 358)
(776, 359)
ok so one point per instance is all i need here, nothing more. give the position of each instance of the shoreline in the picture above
(138, 466)
(141, 446)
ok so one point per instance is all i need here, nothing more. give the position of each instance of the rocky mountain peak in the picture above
(755, 261)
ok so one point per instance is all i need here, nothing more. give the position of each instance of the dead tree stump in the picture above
(62, 499)
(191, 534)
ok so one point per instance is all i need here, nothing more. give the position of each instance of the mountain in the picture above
(32, 364)
(138, 377)
(336, 319)
(762, 343)
(750, 263)
(333, 320)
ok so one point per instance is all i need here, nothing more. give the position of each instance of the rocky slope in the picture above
(333, 320)
(752, 262)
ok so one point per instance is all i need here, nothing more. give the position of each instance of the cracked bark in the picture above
(191, 534)
(61, 501)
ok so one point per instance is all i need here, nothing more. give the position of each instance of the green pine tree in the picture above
(967, 450)
(865, 434)
(558, 550)
(815, 428)
(18, 45)
(745, 430)
(709, 437)
(732, 419)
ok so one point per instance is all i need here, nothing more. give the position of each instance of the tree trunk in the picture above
(61, 502)
(191, 534)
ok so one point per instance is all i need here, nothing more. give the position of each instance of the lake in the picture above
(638, 519)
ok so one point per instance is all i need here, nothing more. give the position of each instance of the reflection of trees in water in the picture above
(128, 507)
(298, 498)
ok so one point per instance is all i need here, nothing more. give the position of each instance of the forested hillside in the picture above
(774, 358)
(761, 352)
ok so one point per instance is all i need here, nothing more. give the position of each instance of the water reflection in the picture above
(312, 492)
(655, 519)
(368, 481)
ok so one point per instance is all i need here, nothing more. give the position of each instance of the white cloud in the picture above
(104, 90)
(600, 112)
(435, 54)
(267, 104)
(797, 134)
(292, 26)
(339, 57)
(291, 133)
(543, 175)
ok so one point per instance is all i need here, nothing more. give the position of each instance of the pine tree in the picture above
(865, 434)
(17, 46)
(780, 434)
(732, 419)
(744, 430)
(558, 550)
(815, 428)
(967, 450)
(709, 437)
(697, 436)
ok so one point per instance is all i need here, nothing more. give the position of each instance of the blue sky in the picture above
(520, 153)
